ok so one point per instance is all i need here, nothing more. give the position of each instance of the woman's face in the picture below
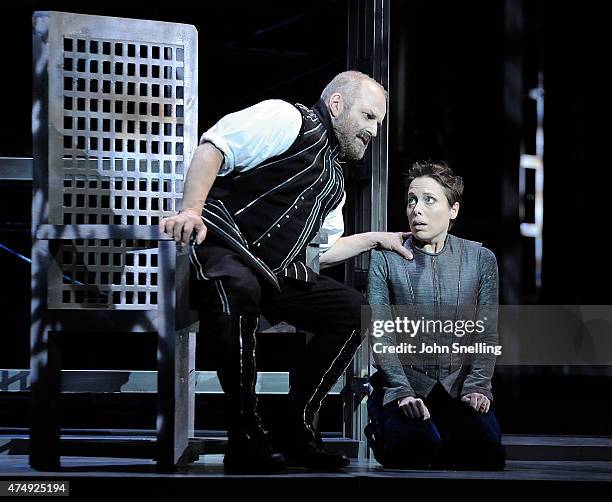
(428, 211)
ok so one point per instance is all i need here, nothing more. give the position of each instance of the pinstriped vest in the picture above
(270, 213)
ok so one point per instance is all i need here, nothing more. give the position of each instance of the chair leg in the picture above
(45, 391)
(173, 368)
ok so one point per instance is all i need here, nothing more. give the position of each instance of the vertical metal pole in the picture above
(175, 359)
(368, 52)
(166, 359)
(44, 361)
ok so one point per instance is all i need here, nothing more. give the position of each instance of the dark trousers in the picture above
(455, 437)
(328, 309)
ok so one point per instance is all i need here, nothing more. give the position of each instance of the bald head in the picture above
(347, 84)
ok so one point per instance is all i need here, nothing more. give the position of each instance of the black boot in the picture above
(303, 447)
(248, 449)
(314, 377)
(252, 454)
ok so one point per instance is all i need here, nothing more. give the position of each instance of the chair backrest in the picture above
(120, 98)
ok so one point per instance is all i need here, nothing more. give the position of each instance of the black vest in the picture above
(270, 213)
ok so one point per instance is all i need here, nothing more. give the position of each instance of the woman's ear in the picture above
(454, 211)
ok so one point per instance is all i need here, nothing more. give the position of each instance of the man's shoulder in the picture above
(276, 107)
(307, 112)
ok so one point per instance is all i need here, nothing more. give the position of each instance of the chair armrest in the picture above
(70, 232)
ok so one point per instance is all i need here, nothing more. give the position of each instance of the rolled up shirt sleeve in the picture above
(250, 136)
(333, 226)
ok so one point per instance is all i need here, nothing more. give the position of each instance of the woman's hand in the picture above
(413, 407)
(478, 401)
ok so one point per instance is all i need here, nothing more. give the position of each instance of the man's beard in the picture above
(350, 148)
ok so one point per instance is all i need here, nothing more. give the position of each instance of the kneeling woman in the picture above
(434, 412)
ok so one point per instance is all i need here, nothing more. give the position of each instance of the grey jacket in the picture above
(463, 275)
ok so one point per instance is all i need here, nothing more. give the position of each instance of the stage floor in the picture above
(364, 479)
(210, 466)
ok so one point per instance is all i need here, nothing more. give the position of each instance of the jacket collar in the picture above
(322, 112)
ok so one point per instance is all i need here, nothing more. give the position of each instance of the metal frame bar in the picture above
(128, 381)
(368, 51)
(535, 163)
(16, 168)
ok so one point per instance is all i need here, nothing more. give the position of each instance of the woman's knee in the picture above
(415, 451)
(410, 443)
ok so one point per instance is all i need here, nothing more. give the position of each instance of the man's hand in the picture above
(394, 241)
(353, 245)
(413, 407)
(478, 401)
(181, 226)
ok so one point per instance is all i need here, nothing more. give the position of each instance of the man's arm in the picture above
(353, 245)
(238, 142)
(205, 165)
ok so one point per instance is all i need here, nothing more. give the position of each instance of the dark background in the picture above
(454, 54)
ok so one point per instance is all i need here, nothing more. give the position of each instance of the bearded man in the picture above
(263, 182)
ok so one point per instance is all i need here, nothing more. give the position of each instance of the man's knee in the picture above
(244, 291)
(233, 293)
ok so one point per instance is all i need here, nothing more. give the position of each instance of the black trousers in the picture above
(455, 437)
(328, 309)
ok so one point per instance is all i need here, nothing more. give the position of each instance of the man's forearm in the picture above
(205, 165)
(347, 247)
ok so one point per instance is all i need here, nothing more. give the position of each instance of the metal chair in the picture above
(114, 122)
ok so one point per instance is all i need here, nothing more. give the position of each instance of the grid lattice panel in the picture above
(116, 272)
(123, 131)
(120, 157)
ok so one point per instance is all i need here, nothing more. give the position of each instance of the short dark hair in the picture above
(443, 174)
